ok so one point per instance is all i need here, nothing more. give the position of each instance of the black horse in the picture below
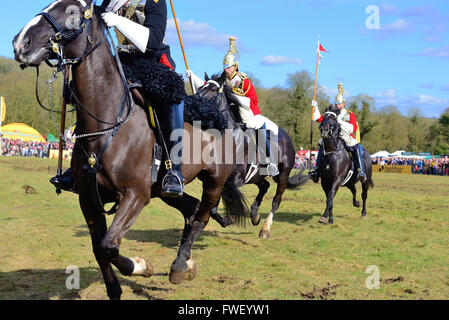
(337, 167)
(248, 171)
(124, 176)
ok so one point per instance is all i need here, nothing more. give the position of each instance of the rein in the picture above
(330, 136)
(62, 38)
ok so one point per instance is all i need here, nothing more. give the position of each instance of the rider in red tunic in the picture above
(348, 126)
(247, 96)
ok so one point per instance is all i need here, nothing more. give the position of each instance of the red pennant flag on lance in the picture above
(320, 48)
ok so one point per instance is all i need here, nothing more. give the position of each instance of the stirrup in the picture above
(172, 190)
(272, 169)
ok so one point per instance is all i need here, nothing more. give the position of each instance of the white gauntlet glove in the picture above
(137, 34)
(111, 19)
(196, 81)
(316, 111)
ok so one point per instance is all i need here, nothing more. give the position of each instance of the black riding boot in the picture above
(173, 182)
(315, 174)
(357, 154)
(64, 181)
(272, 168)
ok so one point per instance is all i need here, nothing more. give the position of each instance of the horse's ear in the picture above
(223, 77)
(206, 76)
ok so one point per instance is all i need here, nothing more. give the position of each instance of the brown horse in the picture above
(120, 141)
(247, 172)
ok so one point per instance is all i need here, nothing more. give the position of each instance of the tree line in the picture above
(290, 107)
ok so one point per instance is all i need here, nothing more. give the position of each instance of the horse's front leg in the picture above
(96, 223)
(129, 208)
(328, 217)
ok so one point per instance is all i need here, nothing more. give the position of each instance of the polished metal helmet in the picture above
(231, 57)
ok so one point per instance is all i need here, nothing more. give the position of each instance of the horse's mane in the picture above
(333, 108)
(232, 100)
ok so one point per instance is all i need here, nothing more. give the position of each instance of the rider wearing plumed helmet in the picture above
(348, 129)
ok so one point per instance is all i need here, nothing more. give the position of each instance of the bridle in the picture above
(63, 37)
(330, 135)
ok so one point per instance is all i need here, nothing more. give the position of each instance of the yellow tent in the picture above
(21, 131)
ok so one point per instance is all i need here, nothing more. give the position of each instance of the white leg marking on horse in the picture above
(140, 266)
(269, 221)
(190, 263)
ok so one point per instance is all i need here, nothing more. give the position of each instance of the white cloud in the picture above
(387, 97)
(398, 26)
(422, 99)
(276, 60)
(441, 52)
(388, 8)
(197, 34)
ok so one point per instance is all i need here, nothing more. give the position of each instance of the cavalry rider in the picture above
(348, 126)
(247, 95)
(149, 40)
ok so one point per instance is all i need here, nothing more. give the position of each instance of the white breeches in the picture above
(256, 122)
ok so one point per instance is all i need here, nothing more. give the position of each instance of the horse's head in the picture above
(329, 127)
(58, 23)
(212, 87)
(216, 89)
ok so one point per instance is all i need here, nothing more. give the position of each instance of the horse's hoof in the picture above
(142, 267)
(256, 220)
(323, 220)
(364, 217)
(264, 234)
(226, 222)
(357, 204)
(178, 277)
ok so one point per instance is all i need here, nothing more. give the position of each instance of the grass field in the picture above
(405, 236)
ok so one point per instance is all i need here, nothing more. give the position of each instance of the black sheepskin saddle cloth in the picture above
(164, 87)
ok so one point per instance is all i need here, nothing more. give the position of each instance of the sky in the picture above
(396, 51)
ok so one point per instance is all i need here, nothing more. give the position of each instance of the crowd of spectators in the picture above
(431, 166)
(21, 148)
(419, 165)
(302, 162)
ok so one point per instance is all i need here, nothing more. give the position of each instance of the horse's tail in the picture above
(371, 183)
(296, 181)
(235, 205)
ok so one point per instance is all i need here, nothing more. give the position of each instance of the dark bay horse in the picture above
(245, 172)
(337, 168)
(75, 29)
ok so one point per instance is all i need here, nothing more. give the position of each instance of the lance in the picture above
(62, 127)
(320, 48)
(182, 46)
